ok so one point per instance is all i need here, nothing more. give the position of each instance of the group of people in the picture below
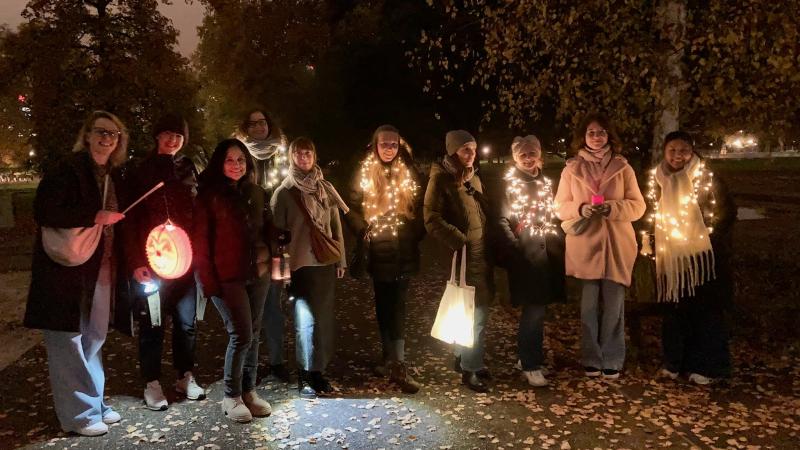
(262, 201)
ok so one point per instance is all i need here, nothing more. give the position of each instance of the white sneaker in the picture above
(111, 416)
(258, 406)
(154, 397)
(535, 378)
(666, 373)
(95, 429)
(189, 387)
(236, 410)
(544, 370)
(702, 380)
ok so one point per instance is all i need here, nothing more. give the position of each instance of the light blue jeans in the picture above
(603, 333)
(75, 361)
(273, 323)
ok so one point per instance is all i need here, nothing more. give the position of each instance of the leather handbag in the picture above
(326, 249)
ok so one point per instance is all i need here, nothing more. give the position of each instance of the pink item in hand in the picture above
(598, 200)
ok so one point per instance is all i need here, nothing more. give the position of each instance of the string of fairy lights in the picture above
(674, 226)
(279, 169)
(399, 182)
(535, 214)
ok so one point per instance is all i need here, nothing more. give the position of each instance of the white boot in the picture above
(235, 409)
(702, 380)
(535, 378)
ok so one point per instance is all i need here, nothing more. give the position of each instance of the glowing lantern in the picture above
(169, 250)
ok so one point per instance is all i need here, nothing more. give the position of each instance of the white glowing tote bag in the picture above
(455, 319)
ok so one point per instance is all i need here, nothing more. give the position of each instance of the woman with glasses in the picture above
(308, 206)
(71, 301)
(230, 218)
(385, 215)
(266, 144)
(178, 297)
(598, 198)
(455, 213)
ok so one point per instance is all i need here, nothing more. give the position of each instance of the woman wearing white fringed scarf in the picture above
(692, 220)
(308, 206)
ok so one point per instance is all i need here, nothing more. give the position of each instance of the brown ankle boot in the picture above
(398, 374)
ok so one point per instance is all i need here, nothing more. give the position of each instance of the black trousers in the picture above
(390, 308)
(695, 338)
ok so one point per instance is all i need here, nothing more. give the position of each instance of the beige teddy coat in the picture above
(607, 248)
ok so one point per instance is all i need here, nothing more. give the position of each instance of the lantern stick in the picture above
(155, 188)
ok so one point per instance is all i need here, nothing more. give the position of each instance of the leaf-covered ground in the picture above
(759, 408)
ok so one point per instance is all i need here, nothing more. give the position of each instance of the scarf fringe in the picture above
(691, 271)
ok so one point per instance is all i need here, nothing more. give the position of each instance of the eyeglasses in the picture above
(392, 145)
(103, 133)
(598, 133)
(256, 123)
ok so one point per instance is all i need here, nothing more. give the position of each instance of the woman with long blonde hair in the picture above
(385, 214)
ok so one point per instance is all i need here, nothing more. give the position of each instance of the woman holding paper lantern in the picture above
(455, 213)
(71, 300)
(532, 245)
(308, 206)
(385, 214)
(692, 220)
(159, 257)
(598, 198)
(231, 258)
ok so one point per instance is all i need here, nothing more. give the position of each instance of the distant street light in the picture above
(486, 150)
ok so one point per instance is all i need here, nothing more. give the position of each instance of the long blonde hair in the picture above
(117, 157)
(377, 176)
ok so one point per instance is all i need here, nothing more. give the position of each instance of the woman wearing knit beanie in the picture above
(599, 188)
(531, 245)
(386, 214)
(455, 213)
(692, 250)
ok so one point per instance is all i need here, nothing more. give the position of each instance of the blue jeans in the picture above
(241, 307)
(179, 298)
(75, 361)
(603, 335)
(530, 338)
(472, 358)
(273, 323)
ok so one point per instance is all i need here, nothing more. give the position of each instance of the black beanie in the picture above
(173, 123)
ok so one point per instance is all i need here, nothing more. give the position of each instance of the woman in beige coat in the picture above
(598, 187)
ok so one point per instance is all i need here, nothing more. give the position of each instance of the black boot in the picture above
(304, 385)
(398, 374)
(280, 372)
(474, 382)
(319, 383)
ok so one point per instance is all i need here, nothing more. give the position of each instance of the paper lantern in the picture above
(169, 250)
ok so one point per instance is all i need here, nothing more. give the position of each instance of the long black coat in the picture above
(230, 234)
(535, 263)
(390, 257)
(68, 197)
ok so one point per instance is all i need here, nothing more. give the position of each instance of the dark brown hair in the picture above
(579, 133)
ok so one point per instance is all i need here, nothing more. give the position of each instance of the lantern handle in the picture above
(155, 188)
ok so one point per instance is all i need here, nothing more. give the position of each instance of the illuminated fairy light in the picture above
(279, 169)
(399, 182)
(535, 214)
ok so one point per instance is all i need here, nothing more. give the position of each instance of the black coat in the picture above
(174, 201)
(229, 235)
(390, 257)
(68, 197)
(535, 263)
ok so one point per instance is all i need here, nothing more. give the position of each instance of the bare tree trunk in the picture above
(671, 19)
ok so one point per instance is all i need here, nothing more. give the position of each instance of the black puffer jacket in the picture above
(229, 235)
(174, 201)
(535, 263)
(390, 257)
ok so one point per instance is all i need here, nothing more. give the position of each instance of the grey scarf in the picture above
(317, 192)
(266, 148)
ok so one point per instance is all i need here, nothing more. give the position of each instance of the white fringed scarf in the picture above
(684, 257)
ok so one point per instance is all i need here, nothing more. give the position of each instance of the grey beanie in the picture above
(456, 139)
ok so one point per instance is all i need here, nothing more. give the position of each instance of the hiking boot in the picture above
(398, 374)
(280, 372)
(472, 381)
(535, 378)
(154, 397)
(189, 387)
(235, 409)
(258, 407)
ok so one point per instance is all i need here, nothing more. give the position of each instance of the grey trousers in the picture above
(313, 294)
(603, 331)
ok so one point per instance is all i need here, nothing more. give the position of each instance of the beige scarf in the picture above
(599, 161)
(684, 257)
(317, 193)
